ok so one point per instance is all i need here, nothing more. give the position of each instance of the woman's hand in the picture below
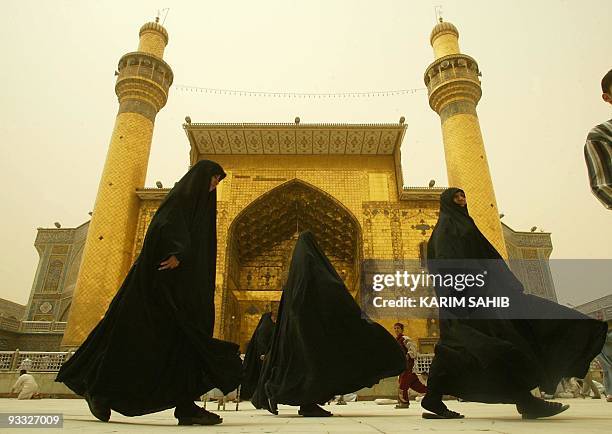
(169, 263)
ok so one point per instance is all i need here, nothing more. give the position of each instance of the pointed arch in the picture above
(259, 245)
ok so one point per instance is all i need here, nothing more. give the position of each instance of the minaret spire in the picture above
(143, 81)
(453, 85)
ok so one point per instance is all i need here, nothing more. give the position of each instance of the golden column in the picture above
(142, 89)
(454, 90)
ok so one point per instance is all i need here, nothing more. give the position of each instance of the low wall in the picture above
(47, 386)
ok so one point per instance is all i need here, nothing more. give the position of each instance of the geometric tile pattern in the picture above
(294, 139)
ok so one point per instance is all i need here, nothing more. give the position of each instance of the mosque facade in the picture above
(343, 182)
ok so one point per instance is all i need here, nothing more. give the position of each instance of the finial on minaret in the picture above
(438, 12)
(153, 38)
(161, 11)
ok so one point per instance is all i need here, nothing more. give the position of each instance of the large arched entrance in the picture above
(260, 242)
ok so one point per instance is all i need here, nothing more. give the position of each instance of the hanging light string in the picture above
(254, 93)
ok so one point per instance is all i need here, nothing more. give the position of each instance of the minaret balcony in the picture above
(144, 76)
(450, 78)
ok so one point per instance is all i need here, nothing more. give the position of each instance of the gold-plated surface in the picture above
(142, 89)
(341, 181)
(454, 90)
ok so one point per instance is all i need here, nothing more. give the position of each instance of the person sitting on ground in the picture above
(25, 386)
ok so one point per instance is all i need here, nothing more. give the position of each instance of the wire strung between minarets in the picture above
(307, 95)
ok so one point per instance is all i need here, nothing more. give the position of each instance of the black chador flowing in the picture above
(322, 345)
(497, 356)
(154, 346)
(259, 345)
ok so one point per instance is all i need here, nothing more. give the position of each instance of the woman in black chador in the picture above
(498, 355)
(154, 349)
(322, 345)
(258, 347)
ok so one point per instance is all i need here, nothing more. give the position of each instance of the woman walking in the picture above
(154, 349)
(498, 355)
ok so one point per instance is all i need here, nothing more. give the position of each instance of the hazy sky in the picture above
(542, 62)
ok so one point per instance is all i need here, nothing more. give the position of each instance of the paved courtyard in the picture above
(589, 415)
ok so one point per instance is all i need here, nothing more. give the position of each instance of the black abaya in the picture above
(258, 345)
(322, 345)
(154, 347)
(492, 355)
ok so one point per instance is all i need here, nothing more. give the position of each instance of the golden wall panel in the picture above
(341, 188)
(468, 168)
(378, 186)
(109, 248)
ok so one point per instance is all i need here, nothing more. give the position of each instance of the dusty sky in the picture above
(541, 62)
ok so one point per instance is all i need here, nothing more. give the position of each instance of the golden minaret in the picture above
(454, 90)
(143, 80)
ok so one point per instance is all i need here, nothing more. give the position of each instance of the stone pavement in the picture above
(589, 415)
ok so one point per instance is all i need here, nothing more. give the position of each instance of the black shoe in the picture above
(200, 420)
(272, 406)
(313, 411)
(538, 408)
(202, 417)
(445, 414)
(438, 409)
(98, 408)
